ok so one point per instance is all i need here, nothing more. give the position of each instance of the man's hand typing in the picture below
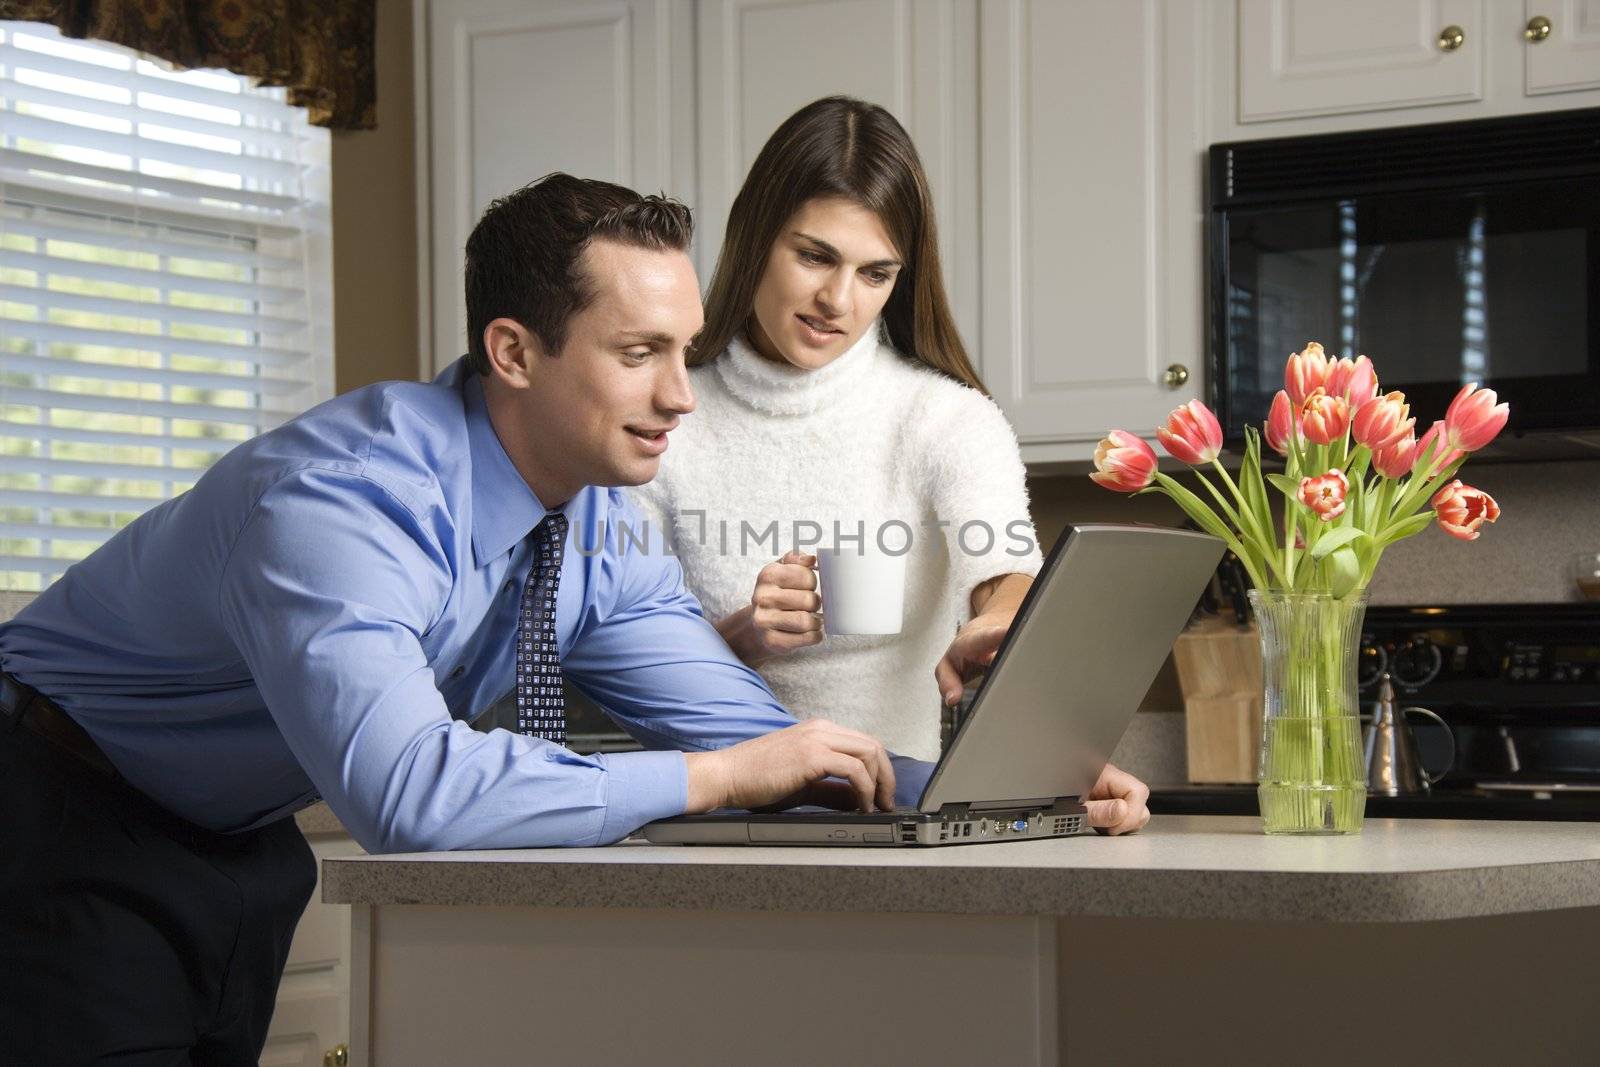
(787, 764)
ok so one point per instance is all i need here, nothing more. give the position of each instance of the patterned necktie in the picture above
(541, 709)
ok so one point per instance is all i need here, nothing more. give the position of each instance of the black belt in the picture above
(25, 706)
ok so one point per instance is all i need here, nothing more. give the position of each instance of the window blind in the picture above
(165, 285)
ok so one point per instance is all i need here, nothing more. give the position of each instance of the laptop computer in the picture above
(1087, 642)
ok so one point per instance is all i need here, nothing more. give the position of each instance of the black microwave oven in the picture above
(1448, 253)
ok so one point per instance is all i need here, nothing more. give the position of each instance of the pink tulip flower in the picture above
(1461, 509)
(1444, 455)
(1324, 418)
(1325, 494)
(1306, 371)
(1281, 423)
(1380, 423)
(1356, 381)
(1474, 419)
(1192, 434)
(1396, 459)
(1123, 462)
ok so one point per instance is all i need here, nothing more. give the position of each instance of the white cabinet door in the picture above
(1311, 57)
(1092, 214)
(312, 1015)
(519, 88)
(762, 60)
(1569, 58)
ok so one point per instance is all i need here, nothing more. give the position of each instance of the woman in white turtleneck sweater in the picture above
(862, 441)
(834, 397)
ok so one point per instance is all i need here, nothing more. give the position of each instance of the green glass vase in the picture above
(1311, 777)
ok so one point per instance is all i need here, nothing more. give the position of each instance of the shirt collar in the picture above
(504, 507)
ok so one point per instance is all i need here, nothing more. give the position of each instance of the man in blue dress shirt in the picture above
(322, 614)
(328, 608)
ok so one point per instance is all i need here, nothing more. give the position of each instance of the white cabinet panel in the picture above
(1086, 284)
(762, 60)
(759, 63)
(545, 92)
(306, 1025)
(1569, 58)
(519, 89)
(312, 1014)
(1310, 57)
(1092, 213)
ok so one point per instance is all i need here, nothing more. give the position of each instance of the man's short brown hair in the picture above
(522, 257)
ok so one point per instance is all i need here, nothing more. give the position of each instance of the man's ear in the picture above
(513, 352)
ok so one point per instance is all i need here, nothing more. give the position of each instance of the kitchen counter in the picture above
(1180, 866)
(1045, 952)
(319, 819)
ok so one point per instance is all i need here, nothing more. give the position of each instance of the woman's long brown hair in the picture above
(842, 147)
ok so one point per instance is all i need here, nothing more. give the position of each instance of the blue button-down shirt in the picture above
(321, 612)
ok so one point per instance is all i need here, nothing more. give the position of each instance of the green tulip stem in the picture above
(1260, 540)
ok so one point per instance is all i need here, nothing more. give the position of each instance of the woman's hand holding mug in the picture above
(782, 613)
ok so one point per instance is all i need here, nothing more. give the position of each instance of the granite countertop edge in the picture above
(1384, 896)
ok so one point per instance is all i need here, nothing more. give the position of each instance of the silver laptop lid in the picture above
(1085, 647)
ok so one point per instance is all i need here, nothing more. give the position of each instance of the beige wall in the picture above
(1329, 994)
(1057, 499)
(375, 223)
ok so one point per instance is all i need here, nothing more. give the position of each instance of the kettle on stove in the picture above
(1393, 767)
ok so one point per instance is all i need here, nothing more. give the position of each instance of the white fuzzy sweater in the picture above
(871, 438)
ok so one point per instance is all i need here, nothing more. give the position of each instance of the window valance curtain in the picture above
(321, 50)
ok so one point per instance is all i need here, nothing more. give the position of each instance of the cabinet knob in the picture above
(337, 1056)
(1176, 375)
(1451, 38)
(1537, 30)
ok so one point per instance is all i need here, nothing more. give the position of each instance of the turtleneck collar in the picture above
(783, 389)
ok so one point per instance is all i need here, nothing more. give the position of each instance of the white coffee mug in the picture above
(863, 590)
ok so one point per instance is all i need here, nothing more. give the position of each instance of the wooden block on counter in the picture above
(1223, 738)
(1219, 673)
(1218, 658)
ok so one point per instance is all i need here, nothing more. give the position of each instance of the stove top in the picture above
(1517, 684)
(1439, 803)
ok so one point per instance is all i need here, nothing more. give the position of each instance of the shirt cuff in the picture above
(910, 779)
(642, 787)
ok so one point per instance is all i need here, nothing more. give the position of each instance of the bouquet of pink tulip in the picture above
(1356, 474)
(1355, 481)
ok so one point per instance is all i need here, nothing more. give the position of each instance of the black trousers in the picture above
(130, 936)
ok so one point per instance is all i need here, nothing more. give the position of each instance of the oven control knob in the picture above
(1417, 662)
(1371, 661)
